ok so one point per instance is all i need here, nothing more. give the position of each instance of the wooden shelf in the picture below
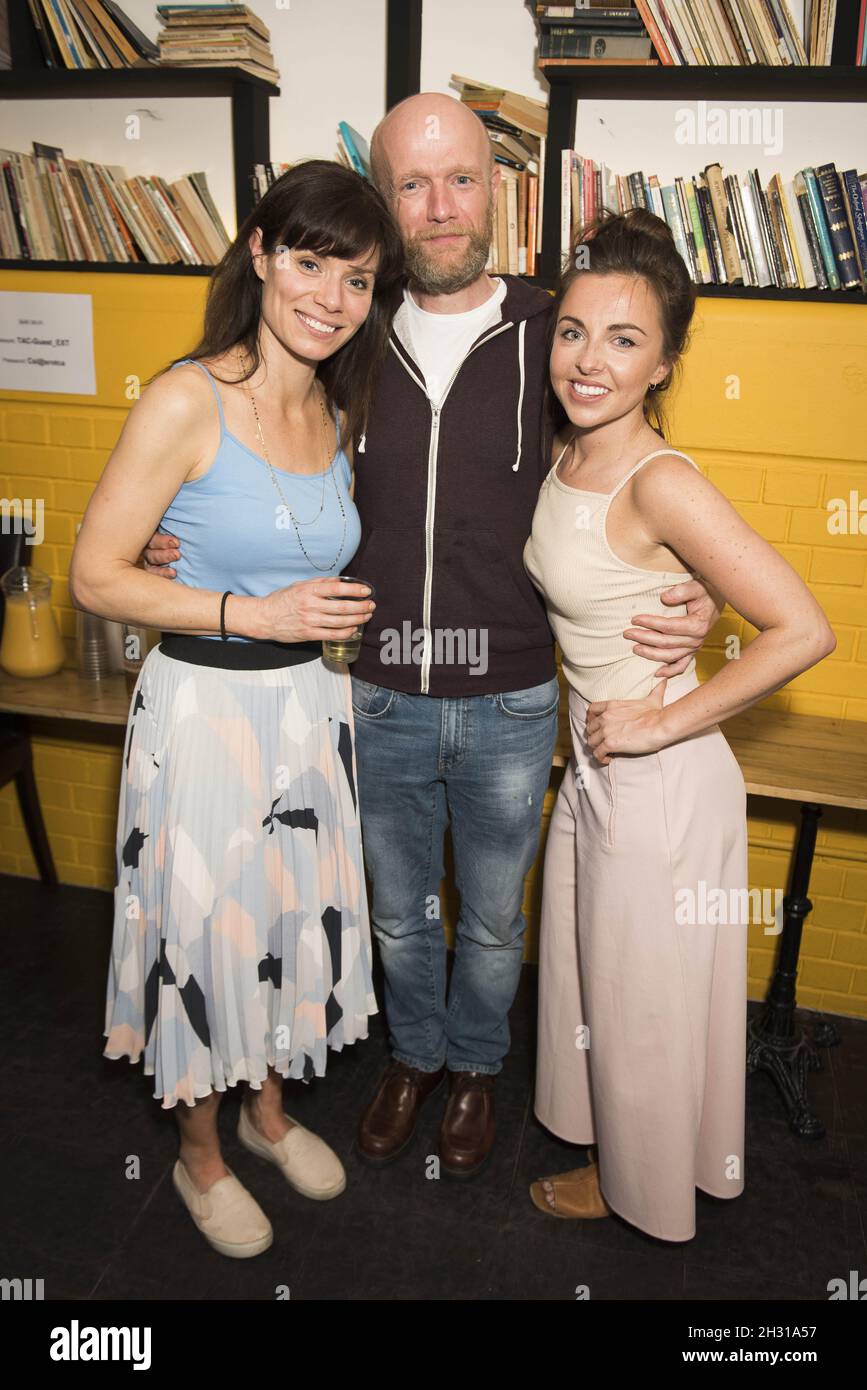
(114, 267)
(757, 83)
(61, 84)
(543, 282)
(812, 296)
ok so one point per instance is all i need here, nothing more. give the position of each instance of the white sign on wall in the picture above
(46, 343)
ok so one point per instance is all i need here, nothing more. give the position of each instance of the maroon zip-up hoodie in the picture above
(446, 498)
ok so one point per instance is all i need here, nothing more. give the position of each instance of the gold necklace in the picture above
(330, 470)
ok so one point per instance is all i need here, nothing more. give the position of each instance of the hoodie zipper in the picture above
(436, 411)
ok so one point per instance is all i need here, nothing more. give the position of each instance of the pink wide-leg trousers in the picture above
(642, 1017)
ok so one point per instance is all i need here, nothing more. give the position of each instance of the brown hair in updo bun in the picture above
(636, 242)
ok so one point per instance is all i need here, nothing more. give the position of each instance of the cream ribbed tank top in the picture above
(589, 593)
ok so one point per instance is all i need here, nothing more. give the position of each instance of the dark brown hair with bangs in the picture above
(322, 207)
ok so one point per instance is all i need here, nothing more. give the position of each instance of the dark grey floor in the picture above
(73, 1120)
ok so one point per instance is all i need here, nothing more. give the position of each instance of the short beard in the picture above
(433, 278)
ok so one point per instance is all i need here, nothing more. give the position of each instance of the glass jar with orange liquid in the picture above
(31, 643)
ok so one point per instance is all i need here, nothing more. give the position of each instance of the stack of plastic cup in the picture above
(92, 647)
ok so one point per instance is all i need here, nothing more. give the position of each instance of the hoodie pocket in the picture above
(474, 586)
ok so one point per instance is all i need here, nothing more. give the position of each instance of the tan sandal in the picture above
(577, 1194)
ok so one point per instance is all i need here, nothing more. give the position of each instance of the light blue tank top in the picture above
(234, 530)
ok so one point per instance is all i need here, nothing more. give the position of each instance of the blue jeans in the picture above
(482, 763)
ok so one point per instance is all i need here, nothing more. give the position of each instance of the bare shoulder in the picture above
(670, 469)
(173, 426)
(179, 398)
(672, 488)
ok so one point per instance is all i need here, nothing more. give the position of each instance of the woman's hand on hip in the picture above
(627, 726)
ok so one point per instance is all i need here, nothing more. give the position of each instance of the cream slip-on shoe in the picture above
(227, 1215)
(305, 1160)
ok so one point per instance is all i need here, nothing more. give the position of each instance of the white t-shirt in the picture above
(440, 341)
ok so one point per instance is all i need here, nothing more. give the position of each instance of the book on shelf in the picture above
(264, 175)
(527, 113)
(81, 34)
(513, 240)
(58, 209)
(745, 32)
(702, 33)
(806, 232)
(606, 33)
(209, 36)
(353, 150)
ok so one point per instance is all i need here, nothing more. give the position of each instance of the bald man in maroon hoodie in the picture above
(455, 691)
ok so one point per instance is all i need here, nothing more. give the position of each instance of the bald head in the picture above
(432, 161)
(429, 125)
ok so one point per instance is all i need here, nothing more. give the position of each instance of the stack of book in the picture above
(89, 34)
(744, 32)
(58, 209)
(516, 127)
(597, 31)
(809, 232)
(216, 36)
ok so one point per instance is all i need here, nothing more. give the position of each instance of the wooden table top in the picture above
(797, 757)
(67, 695)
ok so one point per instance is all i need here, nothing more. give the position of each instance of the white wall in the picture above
(174, 137)
(490, 40)
(630, 136)
(331, 56)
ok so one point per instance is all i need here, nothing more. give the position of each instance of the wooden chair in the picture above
(16, 754)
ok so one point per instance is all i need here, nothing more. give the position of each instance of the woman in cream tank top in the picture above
(642, 990)
(590, 593)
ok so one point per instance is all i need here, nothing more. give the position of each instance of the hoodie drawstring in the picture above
(521, 328)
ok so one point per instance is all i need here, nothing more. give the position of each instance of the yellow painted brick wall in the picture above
(773, 408)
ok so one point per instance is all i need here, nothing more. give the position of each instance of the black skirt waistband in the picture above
(237, 656)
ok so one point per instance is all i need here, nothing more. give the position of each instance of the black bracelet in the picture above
(223, 615)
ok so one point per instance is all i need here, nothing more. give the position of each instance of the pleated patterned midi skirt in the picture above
(642, 1004)
(241, 931)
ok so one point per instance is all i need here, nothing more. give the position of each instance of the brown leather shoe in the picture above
(388, 1124)
(468, 1128)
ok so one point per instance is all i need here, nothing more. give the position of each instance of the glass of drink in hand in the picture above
(347, 648)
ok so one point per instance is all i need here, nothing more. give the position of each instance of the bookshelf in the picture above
(837, 82)
(29, 79)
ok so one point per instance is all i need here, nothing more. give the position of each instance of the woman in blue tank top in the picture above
(241, 947)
